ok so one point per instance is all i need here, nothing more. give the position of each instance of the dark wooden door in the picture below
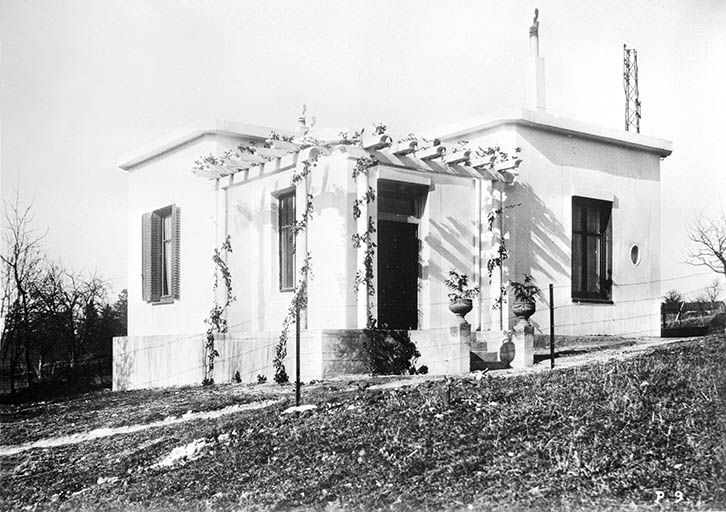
(397, 275)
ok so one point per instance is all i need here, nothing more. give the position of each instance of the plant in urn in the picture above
(461, 294)
(525, 295)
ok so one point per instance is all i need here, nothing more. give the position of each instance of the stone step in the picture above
(483, 360)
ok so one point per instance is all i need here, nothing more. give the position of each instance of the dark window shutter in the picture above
(175, 250)
(146, 257)
(155, 257)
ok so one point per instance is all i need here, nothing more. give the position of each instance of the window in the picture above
(635, 255)
(286, 219)
(166, 254)
(160, 238)
(591, 249)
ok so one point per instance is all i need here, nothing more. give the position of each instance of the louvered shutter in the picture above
(146, 257)
(175, 250)
(155, 253)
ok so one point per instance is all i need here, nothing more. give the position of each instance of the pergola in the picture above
(247, 162)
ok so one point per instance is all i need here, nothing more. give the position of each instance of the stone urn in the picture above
(460, 307)
(523, 309)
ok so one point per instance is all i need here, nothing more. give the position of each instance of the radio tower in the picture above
(630, 84)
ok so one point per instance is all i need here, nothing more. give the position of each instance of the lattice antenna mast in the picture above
(630, 84)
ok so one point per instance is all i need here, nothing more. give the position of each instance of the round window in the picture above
(635, 254)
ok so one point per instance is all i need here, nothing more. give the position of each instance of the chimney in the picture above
(535, 69)
(302, 129)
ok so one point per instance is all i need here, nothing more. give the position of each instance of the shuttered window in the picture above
(160, 244)
(591, 249)
(286, 217)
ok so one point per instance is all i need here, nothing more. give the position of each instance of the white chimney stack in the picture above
(535, 69)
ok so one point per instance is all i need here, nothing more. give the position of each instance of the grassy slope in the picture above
(30, 422)
(600, 436)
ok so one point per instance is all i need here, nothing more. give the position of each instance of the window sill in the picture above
(584, 300)
(163, 300)
(287, 290)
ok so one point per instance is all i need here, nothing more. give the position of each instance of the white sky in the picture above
(84, 81)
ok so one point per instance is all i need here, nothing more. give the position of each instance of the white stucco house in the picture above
(585, 217)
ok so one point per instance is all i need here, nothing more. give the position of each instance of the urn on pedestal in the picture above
(461, 294)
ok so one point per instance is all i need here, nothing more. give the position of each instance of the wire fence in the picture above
(87, 373)
(169, 360)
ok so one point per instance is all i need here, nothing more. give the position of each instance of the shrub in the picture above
(692, 326)
(389, 352)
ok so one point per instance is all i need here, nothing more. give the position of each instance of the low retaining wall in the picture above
(162, 361)
(444, 351)
(157, 361)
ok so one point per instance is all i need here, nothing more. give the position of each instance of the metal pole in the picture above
(552, 327)
(501, 262)
(297, 354)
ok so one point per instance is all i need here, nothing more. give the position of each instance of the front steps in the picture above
(484, 354)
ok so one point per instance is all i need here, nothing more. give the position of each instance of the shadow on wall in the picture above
(447, 240)
(541, 240)
(123, 362)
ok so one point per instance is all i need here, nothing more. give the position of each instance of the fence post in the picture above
(297, 353)
(552, 327)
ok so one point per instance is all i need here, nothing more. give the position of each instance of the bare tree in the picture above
(71, 303)
(708, 240)
(712, 291)
(21, 260)
(672, 300)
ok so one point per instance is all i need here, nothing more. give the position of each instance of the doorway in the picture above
(397, 275)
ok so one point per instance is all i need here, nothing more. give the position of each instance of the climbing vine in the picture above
(365, 276)
(276, 136)
(217, 322)
(300, 295)
(488, 159)
(299, 302)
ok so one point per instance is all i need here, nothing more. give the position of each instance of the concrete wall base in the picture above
(162, 361)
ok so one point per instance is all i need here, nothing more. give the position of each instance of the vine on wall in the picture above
(300, 294)
(217, 322)
(299, 300)
(497, 157)
(365, 276)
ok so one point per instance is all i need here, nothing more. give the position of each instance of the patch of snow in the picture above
(184, 453)
(299, 408)
(108, 432)
(107, 480)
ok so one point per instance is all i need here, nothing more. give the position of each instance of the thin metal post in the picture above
(552, 327)
(297, 354)
(501, 262)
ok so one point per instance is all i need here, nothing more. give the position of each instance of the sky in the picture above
(83, 82)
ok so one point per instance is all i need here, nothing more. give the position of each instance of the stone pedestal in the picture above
(523, 340)
(460, 343)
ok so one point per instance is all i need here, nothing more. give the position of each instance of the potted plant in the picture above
(460, 293)
(525, 295)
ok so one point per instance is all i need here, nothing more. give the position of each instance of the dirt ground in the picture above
(572, 355)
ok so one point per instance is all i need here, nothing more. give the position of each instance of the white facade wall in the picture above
(159, 183)
(555, 168)
(254, 262)
(447, 233)
(452, 233)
